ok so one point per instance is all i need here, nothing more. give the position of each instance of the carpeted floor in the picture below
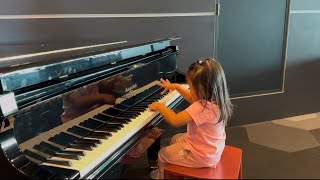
(278, 149)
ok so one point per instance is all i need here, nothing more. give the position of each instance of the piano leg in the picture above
(152, 153)
(118, 169)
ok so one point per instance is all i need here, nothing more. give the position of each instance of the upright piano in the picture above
(75, 113)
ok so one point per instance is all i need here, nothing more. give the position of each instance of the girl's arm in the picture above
(175, 120)
(185, 93)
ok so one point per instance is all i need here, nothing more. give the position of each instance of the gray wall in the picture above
(301, 93)
(302, 85)
(27, 33)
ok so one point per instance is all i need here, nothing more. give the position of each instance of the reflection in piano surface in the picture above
(80, 124)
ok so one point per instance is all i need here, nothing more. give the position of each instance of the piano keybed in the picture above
(85, 142)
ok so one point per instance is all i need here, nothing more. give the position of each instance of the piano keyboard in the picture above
(85, 142)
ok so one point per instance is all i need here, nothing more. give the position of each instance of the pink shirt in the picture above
(205, 138)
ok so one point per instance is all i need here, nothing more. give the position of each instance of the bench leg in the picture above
(240, 171)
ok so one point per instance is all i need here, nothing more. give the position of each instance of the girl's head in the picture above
(208, 83)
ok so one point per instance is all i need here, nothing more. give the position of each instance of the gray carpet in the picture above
(279, 149)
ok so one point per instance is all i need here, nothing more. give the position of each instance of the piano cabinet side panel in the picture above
(7, 171)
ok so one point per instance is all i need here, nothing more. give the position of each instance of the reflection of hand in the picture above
(108, 99)
(167, 85)
(121, 81)
(108, 86)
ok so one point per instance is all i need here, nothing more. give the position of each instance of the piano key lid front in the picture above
(8, 104)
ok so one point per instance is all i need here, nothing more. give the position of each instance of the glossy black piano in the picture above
(74, 113)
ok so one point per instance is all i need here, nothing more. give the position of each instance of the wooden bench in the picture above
(229, 167)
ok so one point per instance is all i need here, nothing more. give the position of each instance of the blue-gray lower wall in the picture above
(302, 79)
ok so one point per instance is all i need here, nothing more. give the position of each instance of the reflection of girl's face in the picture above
(192, 92)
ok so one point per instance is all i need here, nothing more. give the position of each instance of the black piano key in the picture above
(91, 123)
(120, 120)
(155, 96)
(85, 143)
(68, 156)
(56, 149)
(151, 100)
(78, 153)
(130, 102)
(127, 116)
(137, 97)
(44, 150)
(102, 133)
(43, 159)
(59, 162)
(81, 146)
(96, 141)
(99, 135)
(109, 129)
(152, 89)
(103, 117)
(142, 105)
(112, 112)
(49, 146)
(68, 137)
(113, 125)
(137, 109)
(58, 140)
(106, 118)
(145, 106)
(63, 139)
(78, 131)
(34, 155)
(120, 107)
(129, 113)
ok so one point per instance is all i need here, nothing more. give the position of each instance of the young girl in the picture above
(206, 118)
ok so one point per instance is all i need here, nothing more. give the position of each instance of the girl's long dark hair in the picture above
(209, 83)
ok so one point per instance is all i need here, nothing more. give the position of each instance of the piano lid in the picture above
(30, 69)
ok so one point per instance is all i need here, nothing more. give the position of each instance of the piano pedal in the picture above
(153, 164)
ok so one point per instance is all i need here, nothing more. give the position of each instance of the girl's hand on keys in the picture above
(167, 85)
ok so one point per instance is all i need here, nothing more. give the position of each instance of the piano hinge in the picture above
(8, 104)
(217, 9)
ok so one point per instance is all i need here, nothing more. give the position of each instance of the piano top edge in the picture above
(12, 63)
(43, 71)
